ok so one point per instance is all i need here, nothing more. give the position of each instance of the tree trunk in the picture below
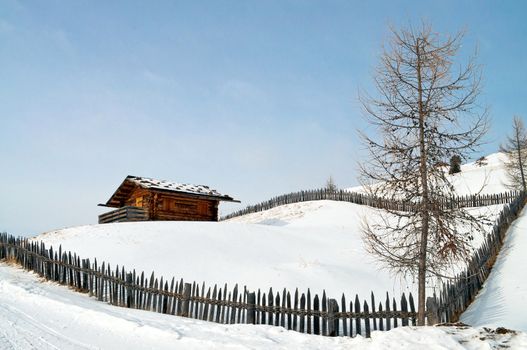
(424, 212)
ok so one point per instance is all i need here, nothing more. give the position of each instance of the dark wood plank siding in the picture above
(171, 206)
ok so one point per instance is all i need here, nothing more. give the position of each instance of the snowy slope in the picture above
(313, 245)
(503, 299)
(310, 245)
(487, 178)
(42, 315)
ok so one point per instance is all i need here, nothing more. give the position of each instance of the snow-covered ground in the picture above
(484, 179)
(487, 177)
(313, 245)
(503, 299)
(42, 315)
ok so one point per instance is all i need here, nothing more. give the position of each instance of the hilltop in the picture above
(313, 244)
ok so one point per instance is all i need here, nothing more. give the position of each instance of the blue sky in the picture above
(255, 98)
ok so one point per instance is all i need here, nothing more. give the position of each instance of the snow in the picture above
(314, 245)
(503, 298)
(43, 315)
(36, 315)
(146, 182)
(488, 178)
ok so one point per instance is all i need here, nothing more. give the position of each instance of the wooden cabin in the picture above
(146, 199)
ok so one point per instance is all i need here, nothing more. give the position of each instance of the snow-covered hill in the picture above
(485, 177)
(313, 245)
(503, 299)
(41, 315)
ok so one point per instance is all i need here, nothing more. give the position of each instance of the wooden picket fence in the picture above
(301, 312)
(372, 201)
(457, 294)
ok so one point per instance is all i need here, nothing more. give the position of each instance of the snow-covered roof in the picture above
(163, 185)
(146, 182)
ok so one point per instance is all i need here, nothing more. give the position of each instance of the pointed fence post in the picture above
(128, 281)
(186, 300)
(333, 321)
(251, 301)
(432, 311)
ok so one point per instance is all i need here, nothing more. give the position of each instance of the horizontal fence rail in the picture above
(301, 312)
(128, 213)
(372, 201)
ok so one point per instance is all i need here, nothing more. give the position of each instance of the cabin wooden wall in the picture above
(172, 206)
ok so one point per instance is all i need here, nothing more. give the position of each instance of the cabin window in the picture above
(139, 202)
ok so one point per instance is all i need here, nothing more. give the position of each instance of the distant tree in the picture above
(426, 111)
(481, 161)
(330, 184)
(515, 148)
(455, 164)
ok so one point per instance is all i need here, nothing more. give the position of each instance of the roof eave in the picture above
(108, 202)
(224, 198)
(200, 195)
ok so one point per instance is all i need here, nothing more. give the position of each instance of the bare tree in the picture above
(330, 184)
(425, 111)
(516, 150)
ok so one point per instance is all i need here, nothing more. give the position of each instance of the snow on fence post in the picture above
(251, 301)
(185, 300)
